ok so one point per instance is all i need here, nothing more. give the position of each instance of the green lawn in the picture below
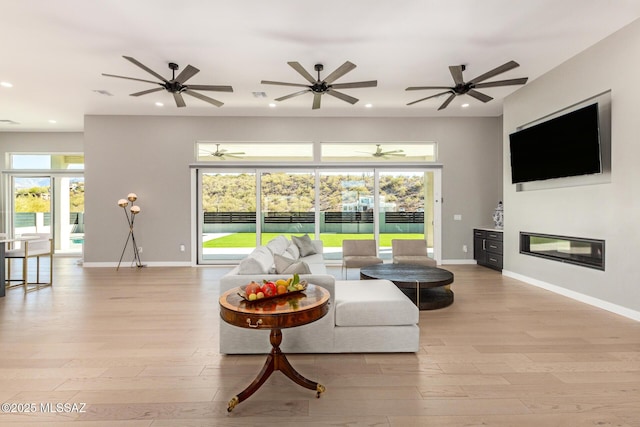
(248, 240)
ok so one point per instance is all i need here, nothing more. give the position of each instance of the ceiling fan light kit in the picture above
(318, 87)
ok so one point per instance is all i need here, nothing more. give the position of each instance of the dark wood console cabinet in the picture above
(487, 248)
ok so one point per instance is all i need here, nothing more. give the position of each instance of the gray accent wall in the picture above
(150, 155)
(608, 211)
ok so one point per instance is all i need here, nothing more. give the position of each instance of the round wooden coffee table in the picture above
(427, 286)
(287, 311)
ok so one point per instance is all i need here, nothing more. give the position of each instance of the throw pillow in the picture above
(286, 265)
(304, 244)
(278, 244)
(293, 251)
(282, 262)
(299, 267)
(250, 266)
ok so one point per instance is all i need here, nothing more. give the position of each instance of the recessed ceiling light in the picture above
(6, 84)
(159, 104)
(464, 105)
(53, 121)
(272, 105)
(368, 105)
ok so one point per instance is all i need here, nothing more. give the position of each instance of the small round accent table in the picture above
(287, 311)
(430, 285)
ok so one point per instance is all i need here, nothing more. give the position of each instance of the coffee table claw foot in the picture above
(232, 403)
(319, 389)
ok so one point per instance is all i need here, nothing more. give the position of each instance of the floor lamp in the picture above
(130, 214)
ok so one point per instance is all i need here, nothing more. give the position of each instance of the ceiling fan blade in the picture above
(509, 82)
(479, 95)
(317, 97)
(144, 92)
(214, 88)
(339, 72)
(427, 87)
(187, 73)
(131, 78)
(269, 82)
(447, 102)
(300, 69)
(370, 83)
(291, 95)
(393, 152)
(204, 98)
(456, 73)
(429, 97)
(498, 70)
(144, 67)
(179, 100)
(343, 96)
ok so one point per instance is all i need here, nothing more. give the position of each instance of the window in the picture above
(47, 161)
(379, 152)
(210, 151)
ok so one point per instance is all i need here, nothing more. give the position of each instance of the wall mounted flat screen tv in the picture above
(568, 145)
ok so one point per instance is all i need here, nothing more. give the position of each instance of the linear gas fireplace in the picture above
(572, 250)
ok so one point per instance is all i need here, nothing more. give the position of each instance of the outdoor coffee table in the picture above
(287, 311)
(430, 284)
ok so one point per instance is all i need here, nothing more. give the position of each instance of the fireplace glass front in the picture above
(573, 250)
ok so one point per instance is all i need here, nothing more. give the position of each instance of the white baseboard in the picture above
(458, 261)
(145, 264)
(605, 305)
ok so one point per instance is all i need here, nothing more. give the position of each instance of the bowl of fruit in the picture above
(268, 289)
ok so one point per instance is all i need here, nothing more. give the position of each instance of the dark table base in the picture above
(431, 298)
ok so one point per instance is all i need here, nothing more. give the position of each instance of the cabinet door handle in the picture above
(484, 244)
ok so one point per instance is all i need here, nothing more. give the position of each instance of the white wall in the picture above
(150, 156)
(604, 211)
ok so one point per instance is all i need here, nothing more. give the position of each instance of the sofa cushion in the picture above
(293, 250)
(304, 244)
(278, 245)
(290, 266)
(373, 303)
(298, 267)
(258, 262)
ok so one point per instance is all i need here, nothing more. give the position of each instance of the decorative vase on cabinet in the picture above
(498, 216)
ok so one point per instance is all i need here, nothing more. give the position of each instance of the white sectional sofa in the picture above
(364, 316)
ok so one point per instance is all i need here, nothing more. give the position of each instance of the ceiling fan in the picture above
(320, 87)
(222, 153)
(176, 85)
(469, 88)
(384, 154)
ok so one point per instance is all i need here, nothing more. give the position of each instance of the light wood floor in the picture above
(139, 347)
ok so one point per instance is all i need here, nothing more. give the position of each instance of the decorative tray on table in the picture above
(254, 292)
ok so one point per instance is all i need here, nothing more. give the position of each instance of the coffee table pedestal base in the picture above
(276, 361)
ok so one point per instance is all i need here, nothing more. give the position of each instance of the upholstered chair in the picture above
(359, 253)
(411, 251)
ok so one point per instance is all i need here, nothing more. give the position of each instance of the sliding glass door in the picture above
(287, 204)
(406, 208)
(347, 206)
(227, 215)
(326, 203)
(52, 204)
